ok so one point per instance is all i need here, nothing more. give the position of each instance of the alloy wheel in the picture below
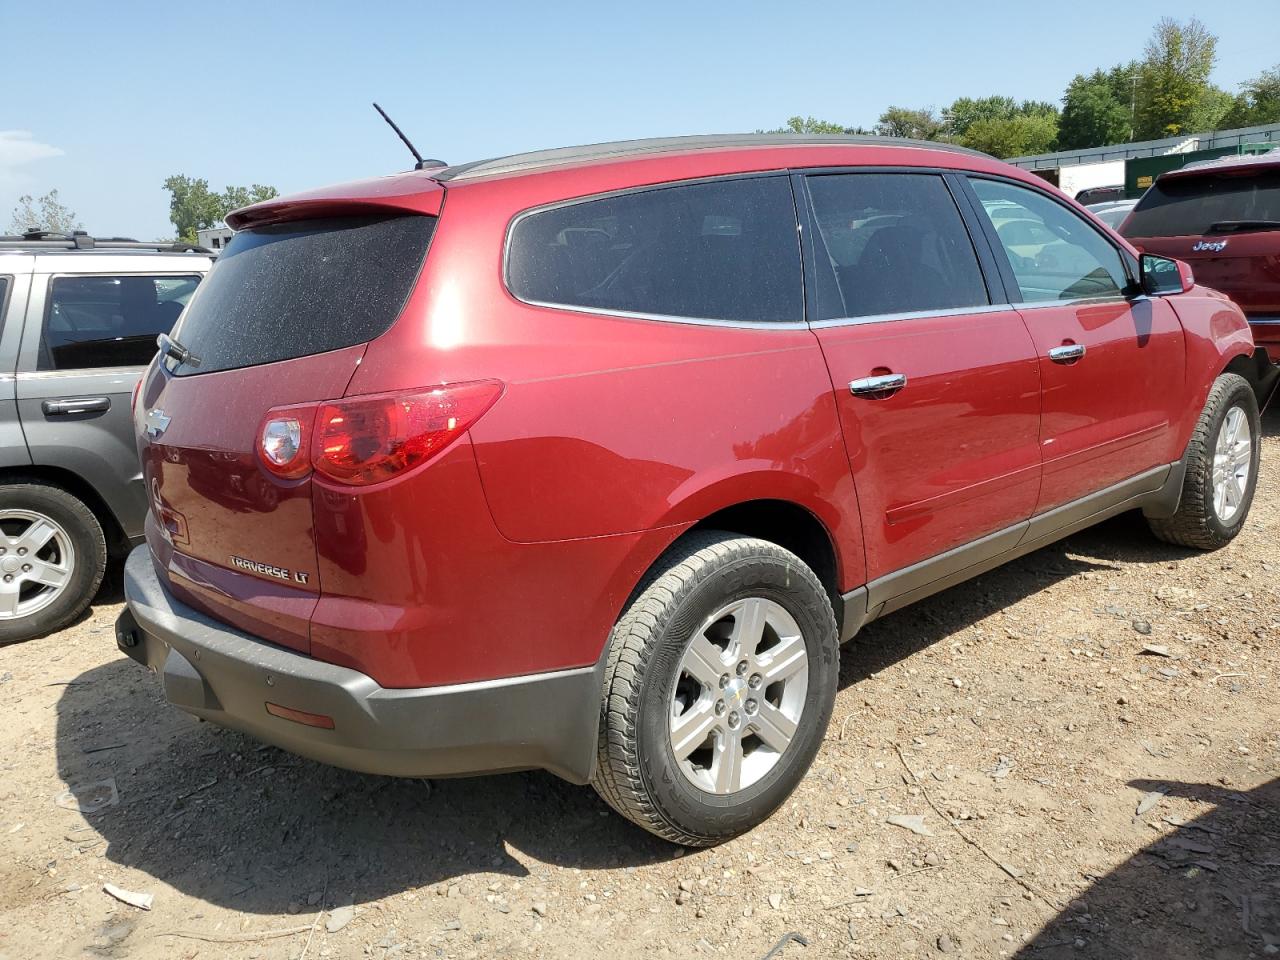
(1232, 463)
(739, 695)
(37, 560)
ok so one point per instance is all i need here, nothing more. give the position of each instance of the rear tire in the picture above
(698, 758)
(48, 535)
(1222, 469)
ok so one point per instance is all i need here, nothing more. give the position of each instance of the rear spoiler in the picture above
(413, 192)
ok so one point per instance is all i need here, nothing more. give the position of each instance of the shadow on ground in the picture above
(1208, 891)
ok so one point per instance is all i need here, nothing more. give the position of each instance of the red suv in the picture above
(1223, 217)
(589, 460)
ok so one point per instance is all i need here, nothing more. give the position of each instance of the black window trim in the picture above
(48, 310)
(987, 264)
(1131, 293)
(798, 324)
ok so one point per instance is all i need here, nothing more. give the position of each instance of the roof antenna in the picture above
(421, 164)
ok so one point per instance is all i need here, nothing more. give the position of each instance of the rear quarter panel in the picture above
(609, 425)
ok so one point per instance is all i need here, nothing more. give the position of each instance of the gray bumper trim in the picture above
(220, 674)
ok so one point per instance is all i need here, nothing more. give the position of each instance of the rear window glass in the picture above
(109, 321)
(1192, 206)
(303, 287)
(725, 250)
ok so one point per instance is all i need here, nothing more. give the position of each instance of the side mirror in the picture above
(1162, 276)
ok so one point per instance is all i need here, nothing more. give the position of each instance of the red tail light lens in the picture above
(363, 440)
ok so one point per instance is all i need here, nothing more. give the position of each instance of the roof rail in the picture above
(79, 240)
(623, 149)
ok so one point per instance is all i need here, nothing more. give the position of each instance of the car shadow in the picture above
(1205, 891)
(252, 828)
(882, 643)
(243, 825)
(1271, 420)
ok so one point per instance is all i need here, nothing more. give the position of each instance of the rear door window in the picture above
(113, 321)
(304, 287)
(1192, 206)
(721, 250)
(1055, 254)
(891, 243)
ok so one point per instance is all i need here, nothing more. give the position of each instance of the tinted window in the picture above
(303, 287)
(895, 244)
(727, 250)
(1055, 254)
(109, 321)
(1191, 206)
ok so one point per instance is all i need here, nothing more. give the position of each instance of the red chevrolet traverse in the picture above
(589, 460)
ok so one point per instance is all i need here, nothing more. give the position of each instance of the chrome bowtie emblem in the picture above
(156, 422)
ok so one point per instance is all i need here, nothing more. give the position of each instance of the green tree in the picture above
(966, 111)
(1015, 136)
(1211, 109)
(1173, 78)
(1097, 109)
(43, 213)
(193, 206)
(921, 124)
(1258, 101)
(812, 125)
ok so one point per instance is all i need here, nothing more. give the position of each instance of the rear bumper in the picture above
(228, 677)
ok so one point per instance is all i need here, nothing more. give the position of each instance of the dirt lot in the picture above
(1017, 715)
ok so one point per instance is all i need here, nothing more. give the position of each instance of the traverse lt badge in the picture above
(269, 570)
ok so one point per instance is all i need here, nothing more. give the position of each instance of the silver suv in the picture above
(80, 317)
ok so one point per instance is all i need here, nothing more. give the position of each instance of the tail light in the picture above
(368, 439)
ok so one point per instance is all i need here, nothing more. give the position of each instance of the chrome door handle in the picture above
(873, 386)
(1068, 353)
(64, 408)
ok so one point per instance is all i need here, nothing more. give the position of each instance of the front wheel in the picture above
(719, 684)
(1222, 469)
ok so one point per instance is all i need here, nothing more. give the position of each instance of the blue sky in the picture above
(103, 101)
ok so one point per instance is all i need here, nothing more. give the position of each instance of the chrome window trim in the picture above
(912, 315)
(798, 323)
(1077, 302)
(1263, 321)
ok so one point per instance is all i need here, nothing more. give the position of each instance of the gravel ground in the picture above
(1076, 797)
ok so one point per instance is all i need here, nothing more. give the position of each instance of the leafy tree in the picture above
(1097, 109)
(966, 111)
(921, 124)
(1211, 109)
(44, 213)
(812, 125)
(1258, 101)
(1015, 136)
(193, 206)
(1173, 78)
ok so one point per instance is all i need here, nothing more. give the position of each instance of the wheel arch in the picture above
(783, 522)
(1263, 376)
(81, 489)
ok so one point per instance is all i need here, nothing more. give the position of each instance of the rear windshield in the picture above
(303, 287)
(1195, 205)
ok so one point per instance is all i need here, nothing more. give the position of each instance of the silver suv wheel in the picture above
(1232, 463)
(37, 560)
(741, 689)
